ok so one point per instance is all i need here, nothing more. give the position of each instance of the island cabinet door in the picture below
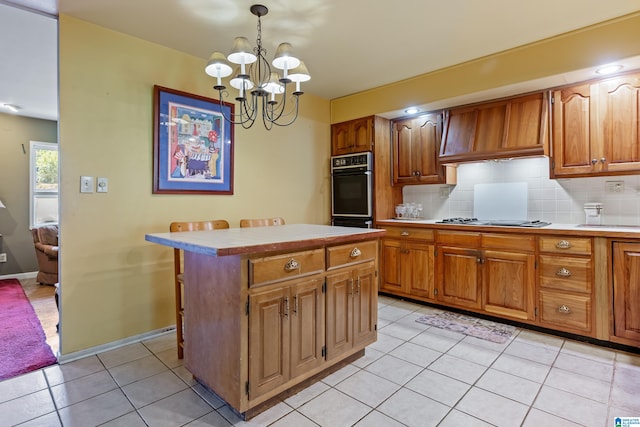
(269, 336)
(365, 305)
(307, 326)
(340, 287)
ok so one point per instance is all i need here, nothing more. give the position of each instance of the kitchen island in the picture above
(270, 309)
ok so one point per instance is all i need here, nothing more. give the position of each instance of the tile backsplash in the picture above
(554, 200)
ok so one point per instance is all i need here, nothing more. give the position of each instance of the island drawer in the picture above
(352, 253)
(277, 268)
(565, 245)
(565, 311)
(566, 273)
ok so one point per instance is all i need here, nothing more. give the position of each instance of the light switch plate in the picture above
(86, 184)
(103, 185)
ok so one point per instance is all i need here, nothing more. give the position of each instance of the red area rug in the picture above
(23, 346)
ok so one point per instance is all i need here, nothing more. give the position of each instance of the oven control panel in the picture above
(358, 160)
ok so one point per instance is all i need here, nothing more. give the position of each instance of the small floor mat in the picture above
(472, 326)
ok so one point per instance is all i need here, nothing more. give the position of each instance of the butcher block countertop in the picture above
(241, 241)
(611, 231)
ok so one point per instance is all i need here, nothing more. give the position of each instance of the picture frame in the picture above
(192, 144)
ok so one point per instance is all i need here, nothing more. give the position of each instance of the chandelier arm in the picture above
(234, 119)
(294, 117)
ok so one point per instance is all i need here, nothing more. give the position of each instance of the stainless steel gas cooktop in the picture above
(498, 222)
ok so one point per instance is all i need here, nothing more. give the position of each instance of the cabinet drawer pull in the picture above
(355, 253)
(563, 244)
(291, 265)
(286, 307)
(563, 272)
(404, 233)
(563, 309)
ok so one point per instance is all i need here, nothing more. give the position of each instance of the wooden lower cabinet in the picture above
(286, 327)
(459, 276)
(408, 268)
(509, 279)
(352, 309)
(626, 293)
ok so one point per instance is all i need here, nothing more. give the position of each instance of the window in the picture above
(43, 183)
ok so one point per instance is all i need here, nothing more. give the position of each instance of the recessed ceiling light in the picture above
(609, 69)
(11, 107)
(411, 110)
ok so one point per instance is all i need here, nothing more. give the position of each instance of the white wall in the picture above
(556, 201)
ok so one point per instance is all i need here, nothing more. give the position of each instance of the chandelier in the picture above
(262, 90)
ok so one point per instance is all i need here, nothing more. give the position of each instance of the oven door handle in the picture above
(350, 173)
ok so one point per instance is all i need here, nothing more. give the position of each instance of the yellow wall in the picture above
(114, 283)
(589, 47)
(17, 243)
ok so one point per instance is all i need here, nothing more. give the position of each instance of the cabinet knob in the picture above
(563, 272)
(291, 265)
(355, 253)
(602, 160)
(594, 161)
(563, 244)
(404, 233)
(563, 309)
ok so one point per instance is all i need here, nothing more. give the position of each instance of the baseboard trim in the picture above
(29, 275)
(66, 358)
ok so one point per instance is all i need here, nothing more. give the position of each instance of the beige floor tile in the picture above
(410, 321)
(536, 353)
(26, 408)
(57, 374)
(615, 411)
(587, 367)
(368, 388)
(571, 407)
(97, 410)
(132, 419)
(413, 409)
(472, 353)
(22, 385)
(307, 394)
(83, 388)
(185, 375)
(144, 392)
(435, 341)
(123, 355)
(627, 360)
(438, 387)
(400, 330)
(376, 419)
(492, 408)
(416, 354)
(370, 356)
(393, 369)
(212, 419)
(588, 351)
(625, 392)
(509, 386)
(136, 370)
(166, 341)
(386, 343)
(177, 409)
(268, 417)
(540, 339)
(489, 345)
(578, 384)
(456, 418)
(523, 368)
(340, 375)
(393, 313)
(170, 358)
(538, 418)
(49, 420)
(344, 410)
(210, 397)
(292, 419)
(457, 368)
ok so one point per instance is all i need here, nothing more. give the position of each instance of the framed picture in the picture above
(192, 144)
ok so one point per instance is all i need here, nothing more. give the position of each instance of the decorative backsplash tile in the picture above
(554, 200)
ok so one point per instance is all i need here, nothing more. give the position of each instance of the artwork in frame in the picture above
(192, 144)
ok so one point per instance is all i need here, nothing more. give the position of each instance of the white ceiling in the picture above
(348, 45)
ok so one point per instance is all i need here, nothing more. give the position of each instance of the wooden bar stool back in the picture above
(179, 276)
(261, 222)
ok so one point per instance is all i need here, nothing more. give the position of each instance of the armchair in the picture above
(45, 239)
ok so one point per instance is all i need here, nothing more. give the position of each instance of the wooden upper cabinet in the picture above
(596, 128)
(354, 136)
(416, 142)
(515, 127)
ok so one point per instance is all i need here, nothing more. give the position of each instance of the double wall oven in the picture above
(352, 190)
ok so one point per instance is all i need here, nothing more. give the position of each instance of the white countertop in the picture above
(598, 229)
(235, 241)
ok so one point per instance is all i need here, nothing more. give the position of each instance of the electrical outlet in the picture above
(614, 187)
(86, 184)
(3, 257)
